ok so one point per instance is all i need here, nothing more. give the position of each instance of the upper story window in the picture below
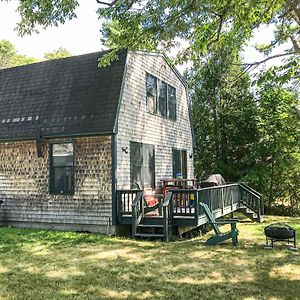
(161, 97)
(62, 169)
(151, 86)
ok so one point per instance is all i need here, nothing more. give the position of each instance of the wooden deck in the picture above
(181, 208)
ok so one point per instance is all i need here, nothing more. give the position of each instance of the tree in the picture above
(56, 54)
(278, 160)
(224, 116)
(199, 25)
(7, 52)
(9, 56)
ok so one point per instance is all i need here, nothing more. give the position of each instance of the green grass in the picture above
(36, 264)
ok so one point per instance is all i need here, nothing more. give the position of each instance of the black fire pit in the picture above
(279, 232)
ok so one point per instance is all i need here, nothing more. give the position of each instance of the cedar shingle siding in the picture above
(24, 187)
(138, 125)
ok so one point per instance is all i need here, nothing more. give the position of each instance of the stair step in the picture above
(151, 221)
(151, 235)
(153, 217)
(150, 226)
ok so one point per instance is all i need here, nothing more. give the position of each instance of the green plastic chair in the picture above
(220, 237)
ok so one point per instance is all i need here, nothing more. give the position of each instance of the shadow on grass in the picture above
(61, 265)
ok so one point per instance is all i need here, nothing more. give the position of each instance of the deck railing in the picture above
(137, 208)
(125, 199)
(167, 212)
(182, 205)
(220, 197)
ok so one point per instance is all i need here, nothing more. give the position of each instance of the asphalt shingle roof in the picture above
(70, 96)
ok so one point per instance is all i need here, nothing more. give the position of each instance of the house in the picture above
(72, 134)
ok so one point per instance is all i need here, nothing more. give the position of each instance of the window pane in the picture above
(176, 162)
(62, 169)
(63, 180)
(62, 161)
(149, 166)
(162, 98)
(136, 162)
(151, 87)
(184, 163)
(62, 149)
(142, 164)
(62, 154)
(171, 103)
(151, 104)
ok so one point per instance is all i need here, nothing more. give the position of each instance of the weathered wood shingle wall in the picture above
(138, 125)
(24, 187)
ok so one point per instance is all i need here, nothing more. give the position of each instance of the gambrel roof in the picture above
(64, 97)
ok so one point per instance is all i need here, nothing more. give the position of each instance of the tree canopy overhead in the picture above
(199, 25)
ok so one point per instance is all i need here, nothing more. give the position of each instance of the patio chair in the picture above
(152, 202)
(220, 237)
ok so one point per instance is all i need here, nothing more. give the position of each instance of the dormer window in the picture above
(161, 97)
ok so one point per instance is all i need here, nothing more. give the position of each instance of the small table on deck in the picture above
(175, 183)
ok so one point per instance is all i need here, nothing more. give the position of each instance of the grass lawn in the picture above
(36, 264)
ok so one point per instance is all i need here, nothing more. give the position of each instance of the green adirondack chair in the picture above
(220, 237)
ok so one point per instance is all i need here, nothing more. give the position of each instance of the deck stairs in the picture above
(249, 203)
(181, 208)
(150, 227)
(250, 214)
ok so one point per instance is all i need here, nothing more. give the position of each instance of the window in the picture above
(61, 169)
(161, 97)
(179, 162)
(142, 164)
(151, 87)
(171, 103)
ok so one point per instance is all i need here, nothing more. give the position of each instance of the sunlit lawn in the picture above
(58, 265)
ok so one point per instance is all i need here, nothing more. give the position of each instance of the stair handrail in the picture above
(218, 186)
(250, 189)
(167, 213)
(260, 208)
(137, 207)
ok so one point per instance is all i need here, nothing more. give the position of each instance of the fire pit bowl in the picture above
(280, 232)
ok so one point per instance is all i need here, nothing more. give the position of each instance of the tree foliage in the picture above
(224, 118)
(199, 26)
(277, 170)
(56, 54)
(9, 56)
(44, 13)
(246, 136)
